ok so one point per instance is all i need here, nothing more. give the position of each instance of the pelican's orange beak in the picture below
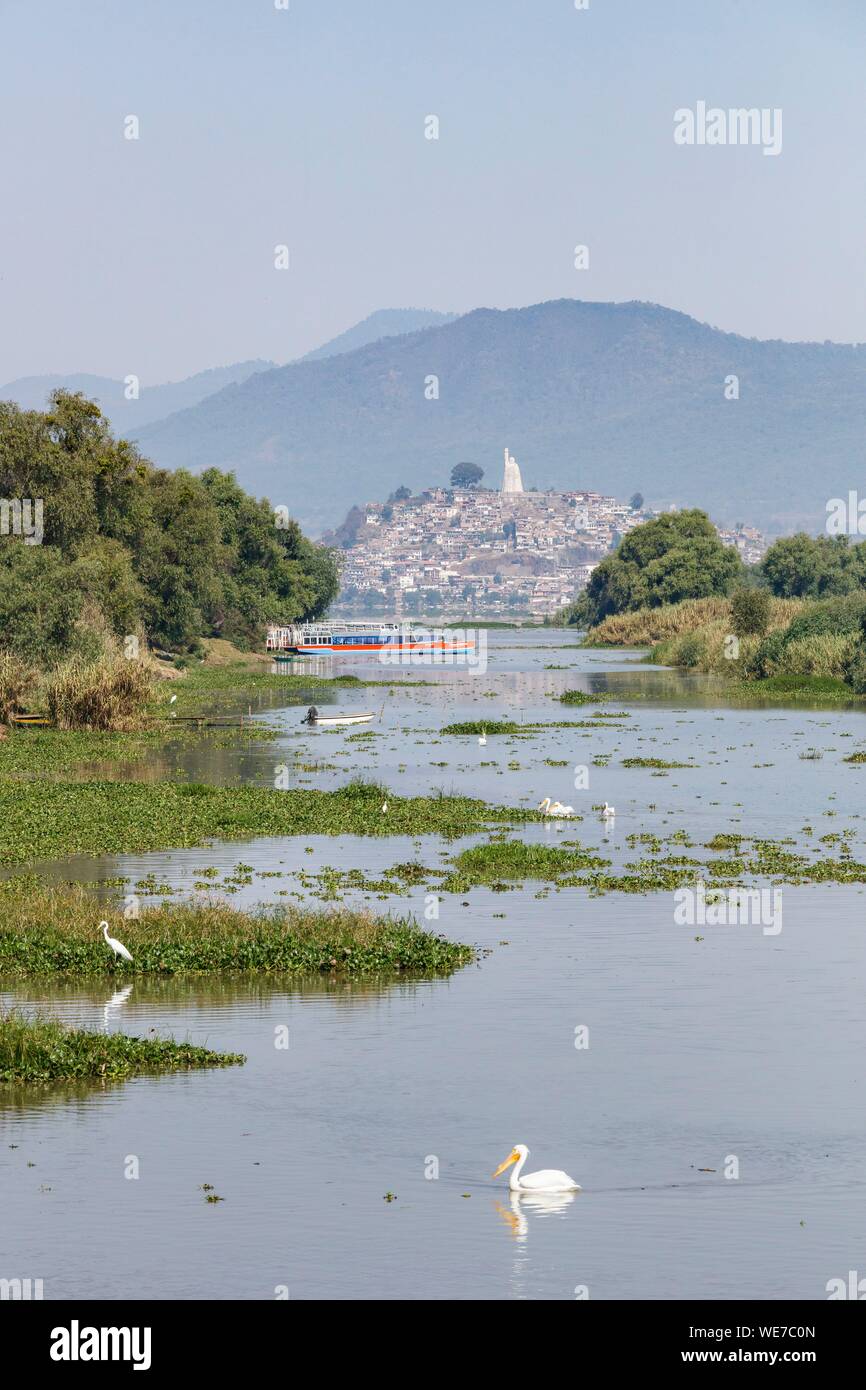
(507, 1162)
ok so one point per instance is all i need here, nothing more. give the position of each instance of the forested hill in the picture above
(613, 397)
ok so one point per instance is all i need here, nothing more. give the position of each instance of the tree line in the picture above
(679, 555)
(130, 548)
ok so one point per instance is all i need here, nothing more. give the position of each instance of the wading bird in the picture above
(117, 946)
(555, 808)
(546, 1180)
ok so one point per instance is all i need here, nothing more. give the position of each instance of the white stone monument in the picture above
(511, 479)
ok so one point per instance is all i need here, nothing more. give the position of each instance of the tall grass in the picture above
(109, 693)
(709, 651)
(647, 626)
(16, 678)
(820, 654)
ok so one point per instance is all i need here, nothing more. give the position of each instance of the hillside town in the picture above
(476, 551)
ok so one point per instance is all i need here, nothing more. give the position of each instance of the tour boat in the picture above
(344, 638)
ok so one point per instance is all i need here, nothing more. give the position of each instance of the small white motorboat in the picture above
(333, 721)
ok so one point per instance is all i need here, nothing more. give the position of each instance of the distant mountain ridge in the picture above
(154, 402)
(616, 398)
(384, 323)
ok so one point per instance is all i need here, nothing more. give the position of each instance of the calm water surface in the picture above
(737, 1046)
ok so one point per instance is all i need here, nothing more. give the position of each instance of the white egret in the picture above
(555, 808)
(117, 946)
(384, 807)
(546, 1180)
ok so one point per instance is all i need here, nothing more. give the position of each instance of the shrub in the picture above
(750, 612)
(690, 650)
(765, 661)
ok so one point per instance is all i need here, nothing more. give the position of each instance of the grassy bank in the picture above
(648, 626)
(46, 820)
(51, 932)
(112, 694)
(34, 1050)
(819, 642)
(201, 687)
(31, 752)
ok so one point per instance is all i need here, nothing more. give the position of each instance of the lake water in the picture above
(738, 1052)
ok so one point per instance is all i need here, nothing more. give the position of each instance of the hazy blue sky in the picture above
(306, 127)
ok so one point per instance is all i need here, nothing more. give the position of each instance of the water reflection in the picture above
(113, 1006)
(523, 1205)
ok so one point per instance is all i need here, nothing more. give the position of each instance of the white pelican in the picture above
(547, 1180)
(117, 946)
(554, 808)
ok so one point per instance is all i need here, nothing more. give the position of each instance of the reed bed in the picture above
(16, 679)
(647, 626)
(109, 694)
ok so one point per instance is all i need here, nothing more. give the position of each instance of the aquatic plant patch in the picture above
(52, 932)
(654, 763)
(48, 819)
(39, 1050)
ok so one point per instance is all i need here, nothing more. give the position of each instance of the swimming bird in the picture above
(555, 808)
(546, 1180)
(117, 946)
(608, 812)
(482, 738)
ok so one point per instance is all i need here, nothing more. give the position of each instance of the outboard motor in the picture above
(312, 715)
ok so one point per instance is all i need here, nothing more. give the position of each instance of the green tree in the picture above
(803, 566)
(466, 475)
(673, 557)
